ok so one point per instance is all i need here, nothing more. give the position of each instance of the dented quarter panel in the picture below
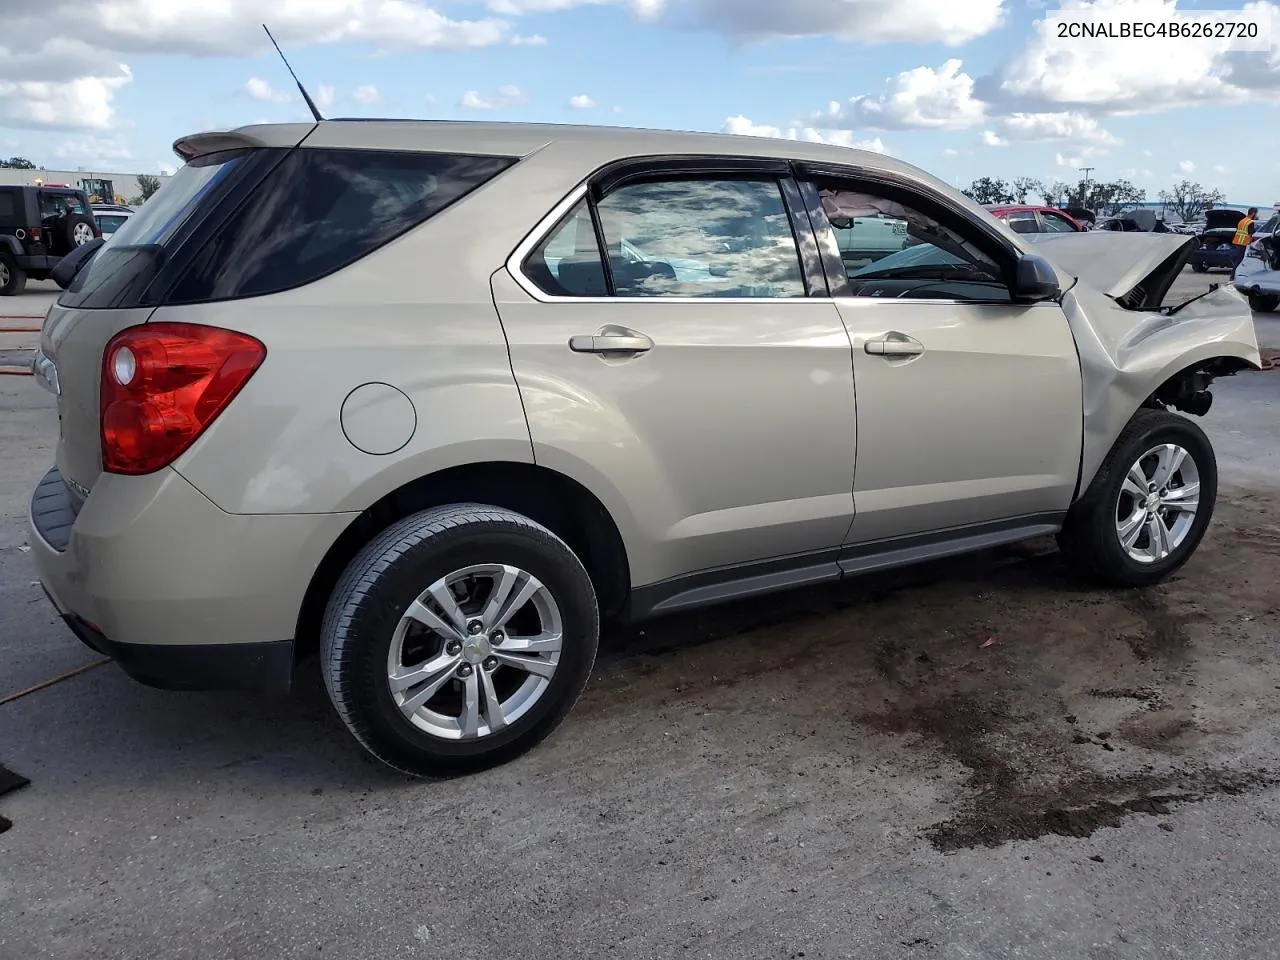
(1126, 355)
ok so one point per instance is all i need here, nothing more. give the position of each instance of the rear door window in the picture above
(1023, 221)
(319, 211)
(10, 205)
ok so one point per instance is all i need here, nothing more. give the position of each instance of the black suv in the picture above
(39, 225)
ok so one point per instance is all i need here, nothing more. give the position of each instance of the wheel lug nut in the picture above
(464, 670)
(491, 664)
(453, 648)
(475, 626)
(497, 638)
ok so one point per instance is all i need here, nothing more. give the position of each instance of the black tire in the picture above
(393, 571)
(1263, 302)
(1088, 539)
(13, 279)
(1199, 268)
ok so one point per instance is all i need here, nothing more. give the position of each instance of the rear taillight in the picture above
(163, 384)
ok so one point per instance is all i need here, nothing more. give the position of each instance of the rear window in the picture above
(254, 222)
(8, 205)
(120, 275)
(320, 210)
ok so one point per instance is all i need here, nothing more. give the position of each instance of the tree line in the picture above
(1187, 199)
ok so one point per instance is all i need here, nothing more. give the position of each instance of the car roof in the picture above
(523, 139)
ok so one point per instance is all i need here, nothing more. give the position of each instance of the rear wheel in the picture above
(13, 280)
(1147, 509)
(459, 639)
(1263, 302)
(1199, 267)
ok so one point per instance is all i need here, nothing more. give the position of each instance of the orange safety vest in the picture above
(1241, 239)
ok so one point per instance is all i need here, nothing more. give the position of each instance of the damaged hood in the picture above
(1135, 269)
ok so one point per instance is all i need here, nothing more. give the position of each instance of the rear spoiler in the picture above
(260, 135)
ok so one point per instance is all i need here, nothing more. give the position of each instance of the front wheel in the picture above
(1147, 509)
(458, 639)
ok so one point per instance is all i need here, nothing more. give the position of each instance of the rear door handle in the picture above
(610, 343)
(894, 344)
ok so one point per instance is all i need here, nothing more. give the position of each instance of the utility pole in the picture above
(1087, 171)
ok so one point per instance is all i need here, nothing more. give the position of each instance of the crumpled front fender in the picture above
(1126, 356)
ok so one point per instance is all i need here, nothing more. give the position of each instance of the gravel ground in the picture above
(851, 771)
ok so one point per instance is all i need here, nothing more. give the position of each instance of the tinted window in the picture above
(120, 275)
(9, 205)
(320, 210)
(568, 263)
(109, 223)
(1056, 224)
(932, 260)
(701, 238)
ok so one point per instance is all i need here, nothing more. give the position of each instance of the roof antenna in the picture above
(301, 89)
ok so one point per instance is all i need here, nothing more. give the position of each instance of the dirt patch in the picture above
(1083, 714)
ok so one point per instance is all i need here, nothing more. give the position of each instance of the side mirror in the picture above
(1036, 280)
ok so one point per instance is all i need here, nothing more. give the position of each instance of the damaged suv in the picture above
(408, 395)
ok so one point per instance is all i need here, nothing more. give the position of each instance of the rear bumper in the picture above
(180, 593)
(263, 667)
(1216, 257)
(38, 262)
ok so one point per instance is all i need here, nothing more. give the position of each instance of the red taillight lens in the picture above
(163, 384)
(36, 234)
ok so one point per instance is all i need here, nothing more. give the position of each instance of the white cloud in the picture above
(1186, 166)
(366, 94)
(1077, 160)
(1220, 168)
(259, 89)
(950, 152)
(324, 96)
(1132, 76)
(992, 139)
(744, 127)
(581, 102)
(84, 103)
(507, 96)
(535, 40)
(617, 109)
(921, 98)
(1067, 125)
(165, 168)
(92, 152)
(861, 21)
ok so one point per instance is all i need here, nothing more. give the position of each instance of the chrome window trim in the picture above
(550, 220)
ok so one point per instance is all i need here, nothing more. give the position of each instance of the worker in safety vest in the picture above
(1244, 229)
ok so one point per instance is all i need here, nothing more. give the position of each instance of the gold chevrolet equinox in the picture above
(432, 400)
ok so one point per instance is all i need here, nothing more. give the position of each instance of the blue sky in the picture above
(964, 88)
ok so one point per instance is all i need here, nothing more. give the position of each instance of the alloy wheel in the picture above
(1158, 503)
(475, 651)
(82, 233)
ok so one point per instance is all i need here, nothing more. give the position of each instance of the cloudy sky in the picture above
(965, 88)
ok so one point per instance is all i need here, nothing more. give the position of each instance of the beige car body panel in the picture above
(772, 433)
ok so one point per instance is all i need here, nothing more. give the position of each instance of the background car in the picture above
(39, 225)
(1214, 249)
(1029, 218)
(110, 217)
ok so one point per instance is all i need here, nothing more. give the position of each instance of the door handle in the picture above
(610, 343)
(894, 344)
